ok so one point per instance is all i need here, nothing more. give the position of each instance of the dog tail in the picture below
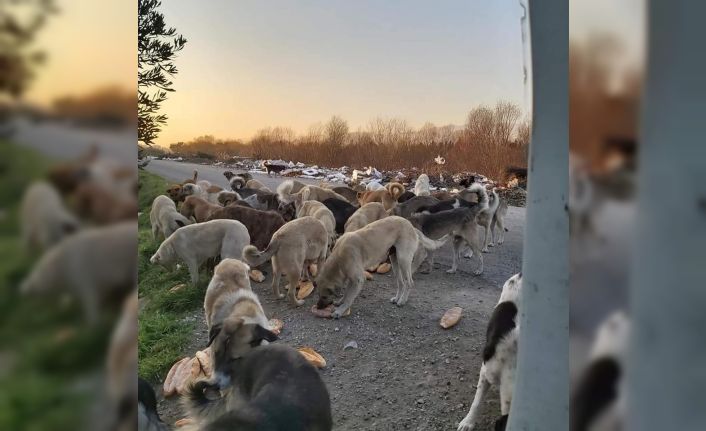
(429, 243)
(284, 191)
(395, 190)
(196, 175)
(199, 405)
(482, 193)
(254, 257)
(494, 202)
(237, 183)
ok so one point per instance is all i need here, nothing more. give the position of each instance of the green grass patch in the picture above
(165, 329)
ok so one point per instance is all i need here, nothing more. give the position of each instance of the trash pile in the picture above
(439, 180)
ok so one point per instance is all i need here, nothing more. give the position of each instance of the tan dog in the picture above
(165, 218)
(255, 184)
(388, 195)
(313, 193)
(347, 192)
(365, 215)
(45, 219)
(368, 246)
(293, 247)
(198, 208)
(287, 188)
(227, 198)
(319, 211)
(488, 217)
(260, 224)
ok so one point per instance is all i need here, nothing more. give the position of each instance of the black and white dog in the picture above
(147, 416)
(499, 354)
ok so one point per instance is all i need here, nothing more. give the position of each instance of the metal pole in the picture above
(541, 395)
(667, 364)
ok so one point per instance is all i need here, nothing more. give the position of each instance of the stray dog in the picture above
(95, 264)
(203, 189)
(368, 246)
(293, 247)
(446, 205)
(459, 222)
(245, 175)
(260, 224)
(442, 195)
(255, 184)
(287, 188)
(102, 206)
(312, 193)
(388, 195)
(341, 212)
(196, 243)
(406, 209)
(45, 219)
(365, 215)
(198, 208)
(227, 198)
(499, 354)
(263, 201)
(404, 197)
(421, 186)
(276, 169)
(347, 192)
(164, 217)
(277, 390)
(490, 216)
(598, 400)
(319, 212)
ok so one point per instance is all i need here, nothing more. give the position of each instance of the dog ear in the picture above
(259, 333)
(213, 333)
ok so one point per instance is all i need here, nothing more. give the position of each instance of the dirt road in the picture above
(407, 373)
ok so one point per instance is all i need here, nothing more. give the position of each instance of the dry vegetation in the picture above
(492, 139)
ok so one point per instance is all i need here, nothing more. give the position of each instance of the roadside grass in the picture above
(45, 347)
(165, 324)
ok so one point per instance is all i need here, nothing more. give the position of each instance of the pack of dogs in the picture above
(340, 230)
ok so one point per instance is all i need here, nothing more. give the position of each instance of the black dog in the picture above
(341, 212)
(446, 205)
(405, 196)
(277, 389)
(277, 169)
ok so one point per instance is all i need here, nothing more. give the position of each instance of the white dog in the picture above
(45, 219)
(94, 264)
(196, 243)
(164, 217)
(499, 354)
(421, 187)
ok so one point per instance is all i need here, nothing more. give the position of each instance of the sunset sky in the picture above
(253, 64)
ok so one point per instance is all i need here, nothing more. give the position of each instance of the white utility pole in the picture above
(667, 365)
(541, 396)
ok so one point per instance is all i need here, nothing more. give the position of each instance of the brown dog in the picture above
(198, 208)
(387, 196)
(260, 224)
(93, 202)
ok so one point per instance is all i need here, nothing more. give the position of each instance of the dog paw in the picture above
(478, 272)
(280, 295)
(491, 245)
(425, 271)
(465, 426)
(451, 271)
(393, 300)
(468, 255)
(500, 241)
(485, 250)
(297, 302)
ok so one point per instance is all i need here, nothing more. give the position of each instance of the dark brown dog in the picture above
(260, 224)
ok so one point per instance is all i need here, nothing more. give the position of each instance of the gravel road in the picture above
(407, 373)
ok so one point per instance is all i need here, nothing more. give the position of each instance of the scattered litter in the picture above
(350, 345)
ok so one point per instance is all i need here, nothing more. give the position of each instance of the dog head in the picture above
(164, 256)
(287, 211)
(174, 192)
(226, 198)
(190, 189)
(237, 182)
(228, 175)
(232, 339)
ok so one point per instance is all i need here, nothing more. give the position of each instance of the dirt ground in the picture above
(407, 373)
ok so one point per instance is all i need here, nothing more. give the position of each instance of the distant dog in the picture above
(421, 186)
(319, 211)
(293, 247)
(274, 169)
(368, 246)
(244, 175)
(95, 265)
(387, 196)
(493, 215)
(458, 222)
(365, 215)
(196, 243)
(277, 390)
(341, 212)
(164, 217)
(411, 206)
(260, 224)
(44, 219)
(499, 354)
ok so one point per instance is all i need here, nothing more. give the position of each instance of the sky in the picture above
(254, 64)
(90, 44)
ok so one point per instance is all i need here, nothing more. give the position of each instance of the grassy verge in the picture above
(45, 347)
(165, 327)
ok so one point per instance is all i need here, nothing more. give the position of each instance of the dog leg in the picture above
(193, 271)
(469, 422)
(487, 239)
(155, 231)
(492, 232)
(348, 298)
(507, 380)
(458, 241)
(501, 231)
(276, 275)
(293, 278)
(476, 250)
(398, 278)
(405, 266)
